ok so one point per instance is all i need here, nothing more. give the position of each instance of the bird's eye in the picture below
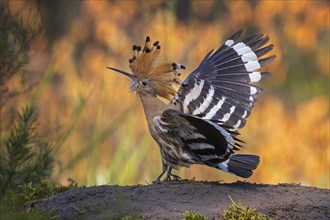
(144, 83)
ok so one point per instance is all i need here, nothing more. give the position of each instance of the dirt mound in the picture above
(168, 200)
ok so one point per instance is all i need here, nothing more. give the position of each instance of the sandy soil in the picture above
(168, 200)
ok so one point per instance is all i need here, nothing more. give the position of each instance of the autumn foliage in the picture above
(100, 128)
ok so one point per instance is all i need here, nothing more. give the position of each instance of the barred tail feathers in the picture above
(241, 165)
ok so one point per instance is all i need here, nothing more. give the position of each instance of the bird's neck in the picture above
(154, 107)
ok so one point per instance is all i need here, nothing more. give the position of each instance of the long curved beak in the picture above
(123, 72)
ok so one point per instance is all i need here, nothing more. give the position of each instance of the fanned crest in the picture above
(211, 103)
(144, 65)
(219, 89)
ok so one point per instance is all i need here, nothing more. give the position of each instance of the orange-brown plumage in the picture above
(164, 75)
(199, 125)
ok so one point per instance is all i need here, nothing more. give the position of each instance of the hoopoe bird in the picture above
(196, 121)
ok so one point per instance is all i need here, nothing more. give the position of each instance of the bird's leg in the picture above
(162, 173)
(169, 175)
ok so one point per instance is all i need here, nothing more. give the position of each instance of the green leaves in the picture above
(236, 211)
(26, 156)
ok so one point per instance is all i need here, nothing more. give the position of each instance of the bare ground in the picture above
(168, 200)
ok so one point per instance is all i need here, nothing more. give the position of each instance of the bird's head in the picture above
(148, 77)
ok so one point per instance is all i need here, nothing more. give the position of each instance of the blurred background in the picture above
(98, 126)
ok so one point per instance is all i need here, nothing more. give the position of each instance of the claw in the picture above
(176, 177)
(169, 175)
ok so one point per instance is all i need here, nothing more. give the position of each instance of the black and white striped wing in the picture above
(219, 89)
(189, 139)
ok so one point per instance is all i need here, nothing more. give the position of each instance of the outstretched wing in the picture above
(219, 89)
(188, 139)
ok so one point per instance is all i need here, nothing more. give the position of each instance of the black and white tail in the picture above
(241, 165)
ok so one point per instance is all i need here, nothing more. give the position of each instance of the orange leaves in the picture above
(304, 21)
(293, 143)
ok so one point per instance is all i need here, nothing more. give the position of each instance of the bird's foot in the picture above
(158, 180)
(170, 176)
